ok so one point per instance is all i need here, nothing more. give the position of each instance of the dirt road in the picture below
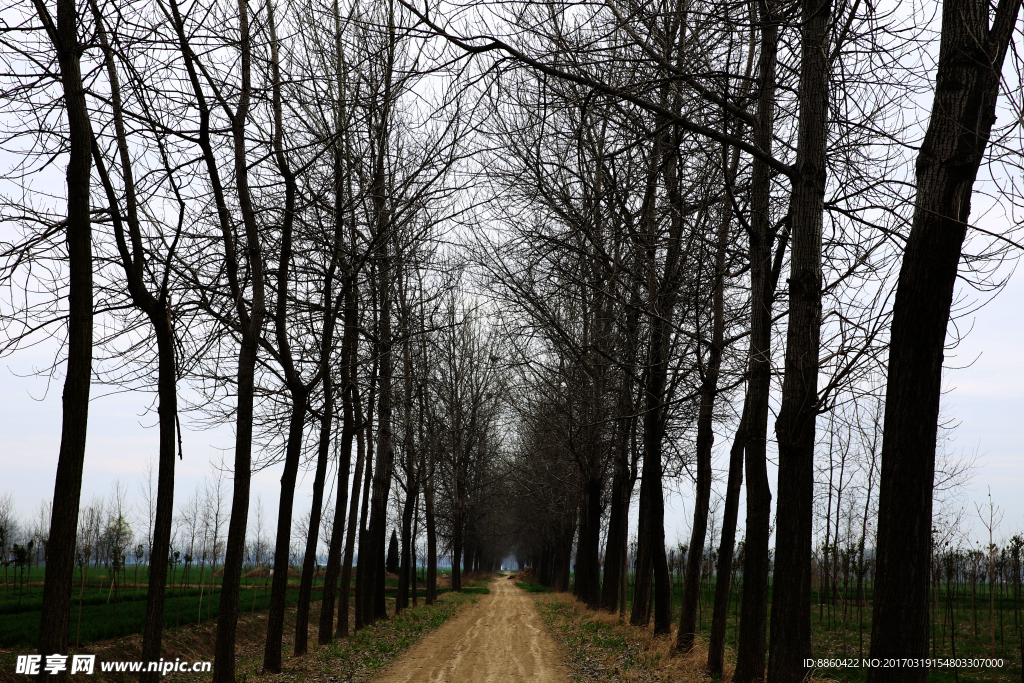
(501, 639)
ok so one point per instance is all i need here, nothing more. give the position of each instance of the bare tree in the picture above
(60, 560)
(973, 45)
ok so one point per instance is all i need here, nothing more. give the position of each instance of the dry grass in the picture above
(601, 648)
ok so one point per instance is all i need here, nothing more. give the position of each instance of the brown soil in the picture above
(526, 576)
(501, 639)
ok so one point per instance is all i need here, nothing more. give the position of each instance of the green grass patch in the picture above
(533, 587)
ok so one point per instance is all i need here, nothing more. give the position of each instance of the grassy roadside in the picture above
(601, 649)
(356, 658)
(359, 657)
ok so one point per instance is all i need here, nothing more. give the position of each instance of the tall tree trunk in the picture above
(168, 410)
(350, 537)
(622, 481)
(428, 510)
(580, 574)
(790, 641)
(618, 522)
(723, 571)
(651, 560)
(347, 363)
(750, 658)
(971, 56)
(332, 569)
(411, 474)
(224, 653)
(326, 421)
(298, 390)
(373, 573)
(361, 568)
(250, 327)
(342, 180)
(705, 440)
(457, 525)
(313, 533)
(588, 562)
(157, 309)
(406, 570)
(370, 554)
(60, 549)
(282, 546)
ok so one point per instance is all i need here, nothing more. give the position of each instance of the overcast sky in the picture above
(986, 399)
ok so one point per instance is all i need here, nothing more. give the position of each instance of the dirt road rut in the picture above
(501, 639)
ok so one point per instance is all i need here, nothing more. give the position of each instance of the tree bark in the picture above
(250, 323)
(313, 533)
(705, 440)
(750, 657)
(651, 558)
(60, 548)
(971, 55)
(622, 480)
(588, 562)
(298, 390)
(372, 603)
(344, 463)
(723, 571)
(411, 473)
(326, 344)
(790, 641)
(282, 546)
(365, 439)
(353, 517)
(428, 510)
(651, 561)
(342, 180)
(618, 522)
(157, 309)
(406, 569)
(371, 554)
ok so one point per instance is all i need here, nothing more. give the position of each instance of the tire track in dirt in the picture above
(501, 639)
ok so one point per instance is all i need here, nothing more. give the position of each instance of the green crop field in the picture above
(842, 630)
(102, 609)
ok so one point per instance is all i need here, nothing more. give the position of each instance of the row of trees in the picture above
(22, 543)
(681, 216)
(258, 205)
(681, 189)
